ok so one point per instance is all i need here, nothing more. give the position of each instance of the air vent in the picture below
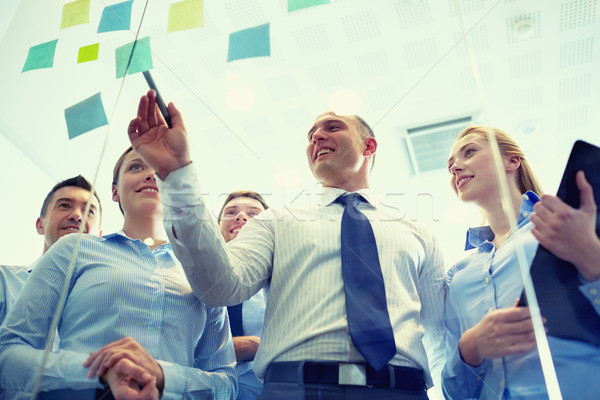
(428, 145)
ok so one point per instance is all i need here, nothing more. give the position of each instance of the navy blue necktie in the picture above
(235, 320)
(366, 306)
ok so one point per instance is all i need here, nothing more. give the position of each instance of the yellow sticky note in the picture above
(88, 53)
(187, 14)
(75, 13)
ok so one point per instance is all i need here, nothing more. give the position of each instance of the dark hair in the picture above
(366, 131)
(242, 193)
(77, 181)
(116, 170)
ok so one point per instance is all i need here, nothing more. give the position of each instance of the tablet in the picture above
(568, 312)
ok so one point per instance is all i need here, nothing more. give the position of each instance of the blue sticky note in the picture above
(116, 17)
(141, 60)
(252, 42)
(40, 56)
(85, 116)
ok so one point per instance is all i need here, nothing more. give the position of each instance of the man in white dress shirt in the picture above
(306, 351)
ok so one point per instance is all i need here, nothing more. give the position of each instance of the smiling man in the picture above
(63, 209)
(61, 214)
(356, 297)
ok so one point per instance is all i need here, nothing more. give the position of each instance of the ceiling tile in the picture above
(525, 65)
(576, 52)
(413, 13)
(362, 26)
(578, 13)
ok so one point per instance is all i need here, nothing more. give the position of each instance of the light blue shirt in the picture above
(12, 279)
(119, 288)
(253, 315)
(489, 279)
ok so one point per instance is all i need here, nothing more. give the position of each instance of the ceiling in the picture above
(408, 63)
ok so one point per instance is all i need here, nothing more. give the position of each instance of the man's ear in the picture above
(513, 163)
(39, 227)
(115, 194)
(370, 147)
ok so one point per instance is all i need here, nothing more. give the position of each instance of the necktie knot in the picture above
(351, 199)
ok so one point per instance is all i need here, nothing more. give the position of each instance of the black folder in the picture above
(568, 312)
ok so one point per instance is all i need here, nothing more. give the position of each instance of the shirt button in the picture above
(487, 280)
(597, 302)
(593, 292)
(525, 214)
(490, 309)
(526, 197)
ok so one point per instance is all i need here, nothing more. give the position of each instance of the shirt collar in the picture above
(122, 235)
(330, 194)
(482, 234)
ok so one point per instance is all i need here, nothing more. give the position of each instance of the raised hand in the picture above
(163, 149)
(100, 362)
(570, 233)
(500, 333)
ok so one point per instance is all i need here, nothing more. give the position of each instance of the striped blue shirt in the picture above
(119, 288)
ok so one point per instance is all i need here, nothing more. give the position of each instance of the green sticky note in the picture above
(252, 42)
(75, 13)
(40, 56)
(141, 60)
(294, 5)
(85, 116)
(88, 53)
(187, 14)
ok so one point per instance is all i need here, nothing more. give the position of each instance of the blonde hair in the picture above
(508, 148)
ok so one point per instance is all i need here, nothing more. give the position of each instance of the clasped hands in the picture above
(128, 369)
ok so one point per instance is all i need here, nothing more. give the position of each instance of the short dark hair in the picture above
(77, 181)
(242, 193)
(366, 132)
(116, 170)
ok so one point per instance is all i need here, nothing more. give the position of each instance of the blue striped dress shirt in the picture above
(298, 252)
(119, 288)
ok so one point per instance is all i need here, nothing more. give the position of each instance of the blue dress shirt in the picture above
(253, 314)
(489, 279)
(119, 288)
(12, 279)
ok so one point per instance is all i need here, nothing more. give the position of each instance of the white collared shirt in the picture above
(296, 252)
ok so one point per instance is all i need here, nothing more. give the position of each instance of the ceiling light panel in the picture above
(362, 26)
(466, 6)
(485, 74)
(282, 87)
(373, 64)
(527, 98)
(572, 119)
(422, 52)
(327, 76)
(577, 52)
(578, 13)
(477, 39)
(575, 87)
(245, 13)
(413, 13)
(526, 65)
(312, 39)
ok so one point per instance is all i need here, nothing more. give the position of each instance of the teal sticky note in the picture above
(294, 5)
(116, 17)
(141, 60)
(40, 56)
(251, 42)
(85, 116)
